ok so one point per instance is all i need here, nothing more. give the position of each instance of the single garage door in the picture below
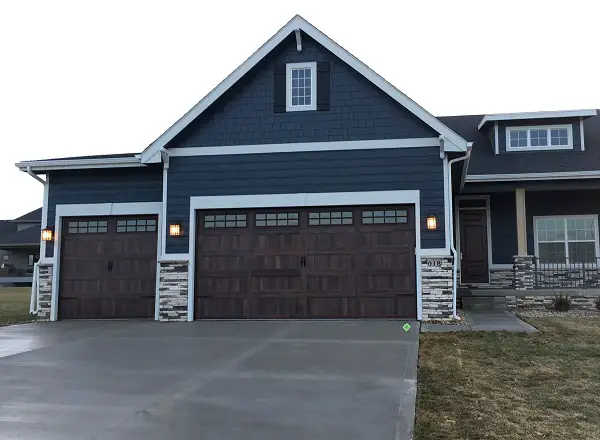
(342, 262)
(108, 267)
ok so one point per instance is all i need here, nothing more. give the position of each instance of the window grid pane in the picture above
(301, 87)
(385, 217)
(225, 221)
(330, 218)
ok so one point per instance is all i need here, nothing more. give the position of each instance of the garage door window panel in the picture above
(385, 216)
(277, 219)
(225, 221)
(87, 227)
(327, 218)
(136, 225)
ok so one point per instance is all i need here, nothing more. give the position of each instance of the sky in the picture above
(83, 77)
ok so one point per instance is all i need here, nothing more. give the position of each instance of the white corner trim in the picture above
(99, 209)
(304, 200)
(515, 177)
(581, 135)
(536, 115)
(288, 86)
(305, 146)
(447, 195)
(76, 164)
(568, 127)
(164, 228)
(496, 138)
(300, 23)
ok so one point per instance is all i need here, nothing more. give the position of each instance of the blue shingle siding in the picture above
(573, 122)
(543, 203)
(122, 185)
(503, 213)
(244, 115)
(308, 172)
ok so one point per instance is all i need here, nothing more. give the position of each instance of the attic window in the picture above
(301, 84)
(556, 137)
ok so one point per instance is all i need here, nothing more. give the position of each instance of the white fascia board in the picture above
(533, 176)
(300, 23)
(307, 146)
(537, 115)
(75, 164)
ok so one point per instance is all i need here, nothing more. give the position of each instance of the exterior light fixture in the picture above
(431, 222)
(48, 234)
(175, 230)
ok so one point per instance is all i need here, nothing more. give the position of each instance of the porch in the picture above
(531, 243)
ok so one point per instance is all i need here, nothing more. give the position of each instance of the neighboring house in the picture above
(20, 244)
(303, 186)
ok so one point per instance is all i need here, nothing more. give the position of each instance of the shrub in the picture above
(562, 303)
(597, 303)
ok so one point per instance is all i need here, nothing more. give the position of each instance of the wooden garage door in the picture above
(342, 262)
(108, 267)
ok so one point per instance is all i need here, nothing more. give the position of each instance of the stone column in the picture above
(173, 291)
(523, 272)
(436, 288)
(44, 300)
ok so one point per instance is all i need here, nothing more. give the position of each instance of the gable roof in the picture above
(150, 154)
(34, 216)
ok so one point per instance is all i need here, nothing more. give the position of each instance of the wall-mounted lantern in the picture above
(431, 222)
(175, 230)
(48, 233)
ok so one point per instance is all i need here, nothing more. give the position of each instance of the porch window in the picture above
(566, 239)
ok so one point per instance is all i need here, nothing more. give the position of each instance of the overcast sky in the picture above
(77, 79)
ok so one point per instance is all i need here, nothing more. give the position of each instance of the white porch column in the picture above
(521, 223)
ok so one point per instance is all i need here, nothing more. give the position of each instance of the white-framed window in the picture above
(5, 257)
(552, 137)
(566, 239)
(301, 84)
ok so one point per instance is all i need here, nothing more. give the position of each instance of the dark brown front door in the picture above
(473, 246)
(108, 267)
(343, 262)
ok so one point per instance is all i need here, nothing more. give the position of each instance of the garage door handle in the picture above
(302, 261)
(110, 265)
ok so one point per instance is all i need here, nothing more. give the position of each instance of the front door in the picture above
(473, 246)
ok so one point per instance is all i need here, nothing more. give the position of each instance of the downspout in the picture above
(452, 248)
(35, 176)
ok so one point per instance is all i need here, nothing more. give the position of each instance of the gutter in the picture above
(62, 164)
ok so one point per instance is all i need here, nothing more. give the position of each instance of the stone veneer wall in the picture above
(436, 288)
(173, 291)
(499, 279)
(523, 267)
(579, 301)
(44, 300)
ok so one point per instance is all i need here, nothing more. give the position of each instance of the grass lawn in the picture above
(475, 386)
(14, 305)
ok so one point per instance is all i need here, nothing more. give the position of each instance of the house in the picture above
(20, 244)
(303, 186)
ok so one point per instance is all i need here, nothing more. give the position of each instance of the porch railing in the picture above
(564, 275)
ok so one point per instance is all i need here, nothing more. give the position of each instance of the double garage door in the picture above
(108, 267)
(342, 262)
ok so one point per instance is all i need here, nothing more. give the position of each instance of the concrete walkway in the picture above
(484, 320)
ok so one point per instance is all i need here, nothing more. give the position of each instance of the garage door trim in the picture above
(402, 197)
(99, 209)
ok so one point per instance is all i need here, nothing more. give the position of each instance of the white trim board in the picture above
(306, 146)
(459, 144)
(516, 177)
(100, 209)
(536, 115)
(44, 217)
(409, 197)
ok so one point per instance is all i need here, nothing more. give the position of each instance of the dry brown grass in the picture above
(14, 305)
(498, 385)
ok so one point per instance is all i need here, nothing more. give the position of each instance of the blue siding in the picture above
(308, 172)
(503, 212)
(574, 122)
(122, 185)
(540, 203)
(358, 109)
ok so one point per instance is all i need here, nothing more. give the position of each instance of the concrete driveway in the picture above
(258, 380)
